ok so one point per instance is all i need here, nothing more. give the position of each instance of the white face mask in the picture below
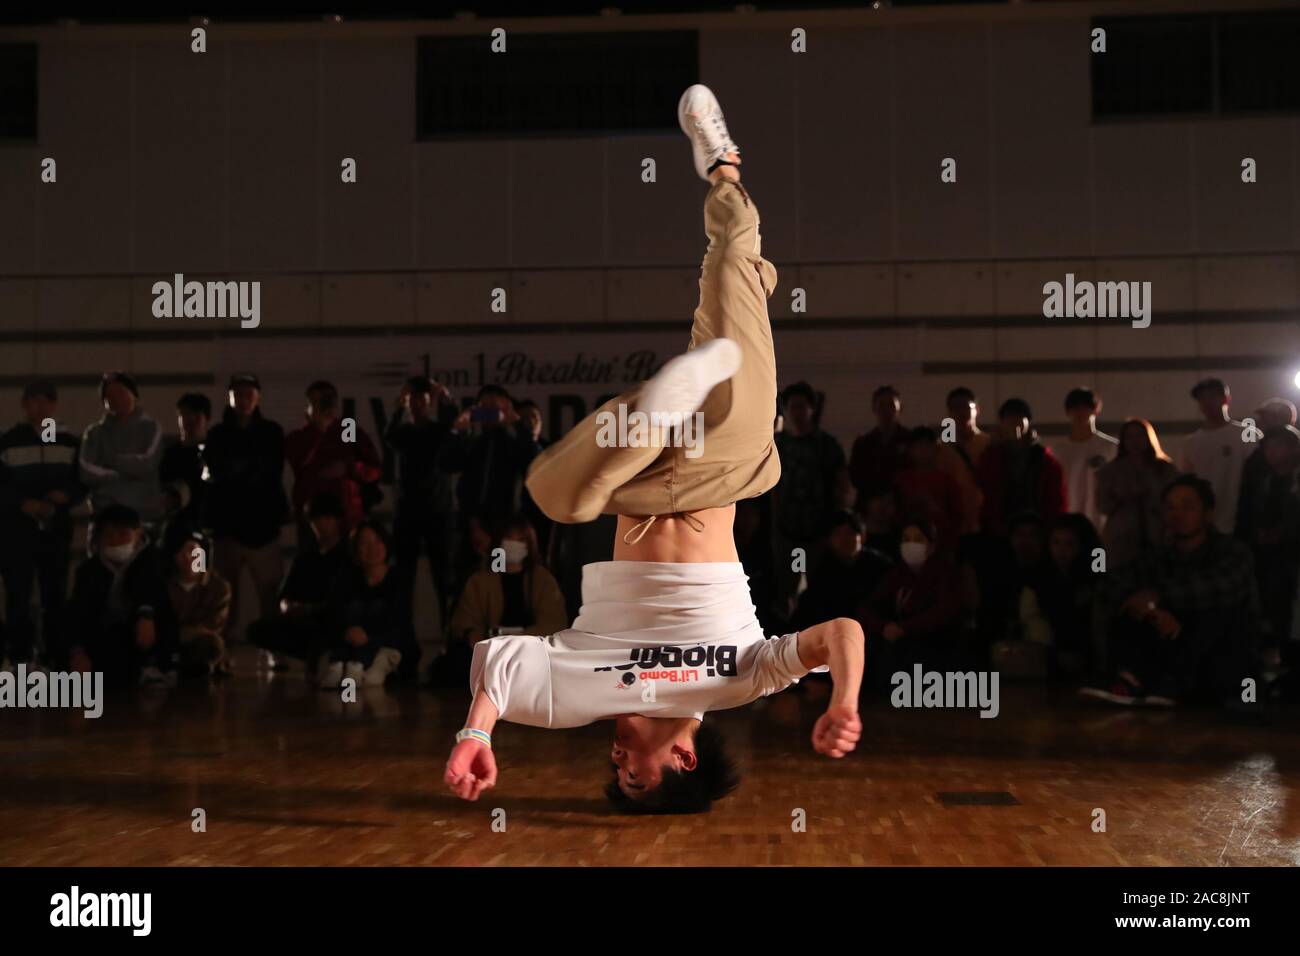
(516, 551)
(118, 553)
(914, 553)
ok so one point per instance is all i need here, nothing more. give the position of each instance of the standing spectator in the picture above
(1215, 451)
(522, 596)
(38, 485)
(1083, 453)
(330, 457)
(805, 499)
(878, 456)
(110, 625)
(300, 627)
(1270, 527)
(1129, 493)
(960, 457)
(1017, 473)
(927, 490)
(492, 458)
(425, 517)
(372, 625)
(245, 504)
(199, 602)
(530, 428)
(120, 453)
(181, 468)
(1186, 614)
(1273, 414)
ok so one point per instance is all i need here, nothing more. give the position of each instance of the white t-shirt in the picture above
(1217, 455)
(652, 638)
(1081, 461)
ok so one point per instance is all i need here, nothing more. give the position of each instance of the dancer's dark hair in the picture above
(686, 791)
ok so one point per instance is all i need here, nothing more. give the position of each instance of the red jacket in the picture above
(1039, 487)
(936, 495)
(311, 452)
(925, 603)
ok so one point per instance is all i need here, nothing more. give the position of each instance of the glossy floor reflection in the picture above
(289, 775)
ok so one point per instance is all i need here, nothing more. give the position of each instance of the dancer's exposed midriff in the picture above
(699, 536)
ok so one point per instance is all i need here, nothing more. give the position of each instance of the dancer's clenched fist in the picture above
(837, 732)
(471, 769)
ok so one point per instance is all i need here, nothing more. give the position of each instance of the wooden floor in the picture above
(289, 775)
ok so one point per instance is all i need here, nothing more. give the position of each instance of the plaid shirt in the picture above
(1220, 575)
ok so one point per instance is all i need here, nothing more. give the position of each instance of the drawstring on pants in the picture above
(638, 530)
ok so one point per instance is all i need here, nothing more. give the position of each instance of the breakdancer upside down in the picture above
(667, 630)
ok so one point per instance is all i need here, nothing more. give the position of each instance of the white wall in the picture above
(227, 163)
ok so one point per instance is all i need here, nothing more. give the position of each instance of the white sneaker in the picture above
(701, 119)
(684, 382)
(332, 676)
(354, 670)
(385, 663)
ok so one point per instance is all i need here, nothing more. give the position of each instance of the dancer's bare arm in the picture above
(472, 768)
(841, 645)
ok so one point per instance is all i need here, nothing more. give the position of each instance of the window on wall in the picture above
(553, 83)
(17, 92)
(1168, 66)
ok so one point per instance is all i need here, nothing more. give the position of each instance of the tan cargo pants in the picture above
(577, 480)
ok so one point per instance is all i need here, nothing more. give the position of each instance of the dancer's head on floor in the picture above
(669, 765)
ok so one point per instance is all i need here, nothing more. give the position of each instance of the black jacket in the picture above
(91, 620)
(31, 468)
(245, 499)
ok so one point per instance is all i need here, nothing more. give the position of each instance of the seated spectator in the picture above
(913, 615)
(1268, 521)
(1129, 493)
(925, 489)
(116, 592)
(120, 453)
(846, 574)
(880, 531)
(1051, 609)
(372, 621)
(1018, 473)
(1067, 595)
(300, 628)
(522, 597)
(1183, 617)
(200, 601)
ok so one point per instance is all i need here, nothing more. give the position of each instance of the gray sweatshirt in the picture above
(119, 464)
